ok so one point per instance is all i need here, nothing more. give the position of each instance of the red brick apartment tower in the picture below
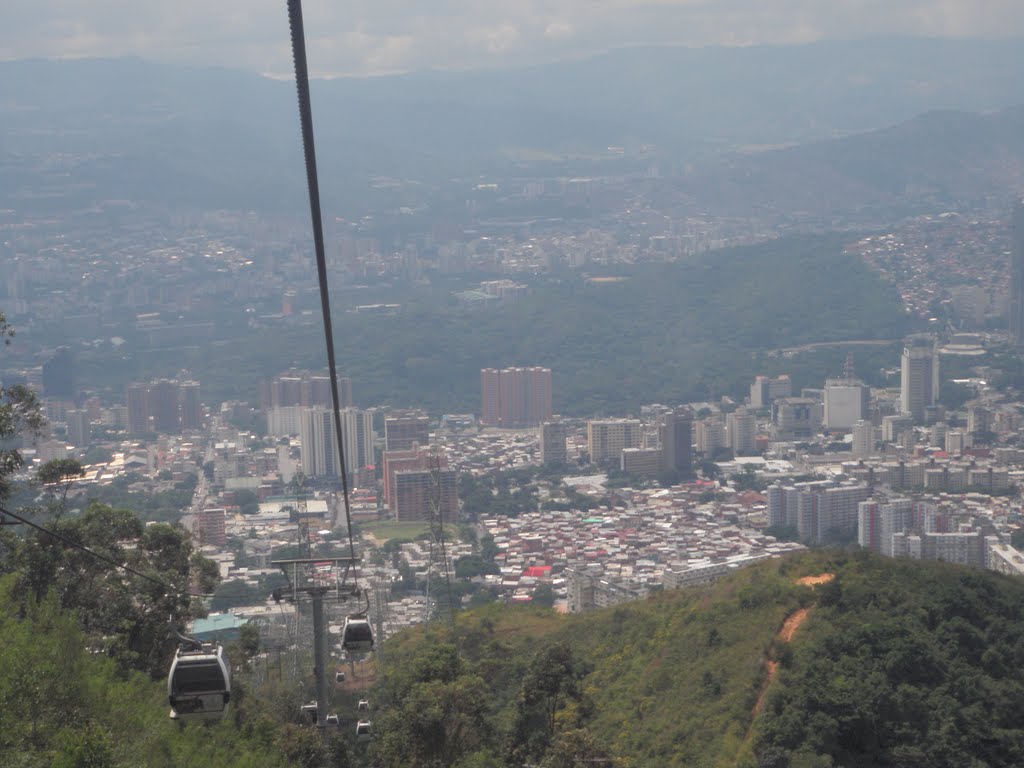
(489, 397)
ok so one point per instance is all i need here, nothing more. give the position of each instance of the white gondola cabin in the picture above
(199, 684)
(364, 705)
(364, 730)
(357, 635)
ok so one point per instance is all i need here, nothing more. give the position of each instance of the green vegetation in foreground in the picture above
(64, 707)
(899, 663)
(669, 332)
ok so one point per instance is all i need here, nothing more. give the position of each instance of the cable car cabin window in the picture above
(198, 678)
(359, 632)
(357, 635)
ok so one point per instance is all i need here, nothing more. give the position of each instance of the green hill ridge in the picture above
(894, 663)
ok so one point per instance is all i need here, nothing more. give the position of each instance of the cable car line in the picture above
(309, 151)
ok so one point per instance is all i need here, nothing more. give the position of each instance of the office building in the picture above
(553, 450)
(645, 462)
(846, 403)
(919, 377)
(676, 437)
(515, 397)
(796, 418)
(58, 379)
(765, 389)
(1017, 277)
(607, 438)
(402, 431)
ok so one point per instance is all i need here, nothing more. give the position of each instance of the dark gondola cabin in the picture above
(199, 684)
(364, 730)
(357, 634)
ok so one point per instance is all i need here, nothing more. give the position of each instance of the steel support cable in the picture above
(309, 151)
(168, 588)
(99, 556)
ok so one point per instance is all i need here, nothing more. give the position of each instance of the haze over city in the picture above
(676, 414)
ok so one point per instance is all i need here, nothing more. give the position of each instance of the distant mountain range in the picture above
(939, 160)
(128, 128)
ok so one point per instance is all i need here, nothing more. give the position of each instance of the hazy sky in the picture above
(374, 36)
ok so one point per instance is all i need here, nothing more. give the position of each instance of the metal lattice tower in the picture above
(438, 560)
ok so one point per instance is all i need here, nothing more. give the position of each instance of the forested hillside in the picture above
(889, 663)
(664, 333)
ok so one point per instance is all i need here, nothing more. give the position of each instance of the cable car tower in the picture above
(316, 581)
(438, 560)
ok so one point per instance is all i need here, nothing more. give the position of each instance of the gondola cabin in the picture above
(357, 635)
(199, 684)
(364, 705)
(364, 731)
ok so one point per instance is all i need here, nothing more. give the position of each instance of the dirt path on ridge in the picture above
(786, 633)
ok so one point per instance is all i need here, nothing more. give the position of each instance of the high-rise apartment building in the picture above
(1017, 277)
(919, 376)
(742, 429)
(711, 436)
(402, 431)
(877, 522)
(137, 402)
(863, 439)
(515, 397)
(306, 389)
(320, 446)
(191, 408)
(415, 481)
(553, 450)
(490, 398)
(164, 405)
(676, 433)
(819, 510)
(418, 491)
(607, 438)
(79, 427)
